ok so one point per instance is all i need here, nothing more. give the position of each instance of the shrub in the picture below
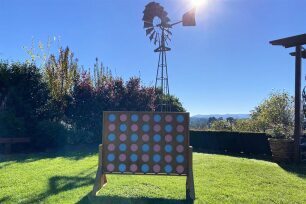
(81, 137)
(49, 135)
(11, 126)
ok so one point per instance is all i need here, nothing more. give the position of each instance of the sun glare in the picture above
(197, 3)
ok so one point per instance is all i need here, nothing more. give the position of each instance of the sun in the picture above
(197, 3)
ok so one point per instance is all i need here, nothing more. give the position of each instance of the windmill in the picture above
(158, 27)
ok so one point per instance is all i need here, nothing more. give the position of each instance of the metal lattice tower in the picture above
(161, 82)
(157, 25)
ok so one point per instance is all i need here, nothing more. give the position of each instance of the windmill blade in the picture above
(149, 30)
(168, 38)
(156, 38)
(152, 35)
(153, 10)
(147, 24)
(168, 31)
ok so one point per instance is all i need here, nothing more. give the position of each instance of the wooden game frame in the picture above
(101, 179)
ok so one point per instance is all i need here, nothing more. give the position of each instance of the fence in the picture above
(232, 142)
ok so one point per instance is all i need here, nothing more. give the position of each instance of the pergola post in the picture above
(297, 102)
(297, 42)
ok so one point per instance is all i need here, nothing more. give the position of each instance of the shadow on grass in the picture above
(59, 184)
(297, 169)
(126, 200)
(69, 152)
(4, 199)
(240, 155)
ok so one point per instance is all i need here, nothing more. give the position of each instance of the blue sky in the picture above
(223, 65)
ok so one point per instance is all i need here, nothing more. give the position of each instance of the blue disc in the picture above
(111, 137)
(179, 138)
(122, 167)
(168, 128)
(156, 138)
(180, 159)
(112, 117)
(168, 168)
(144, 168)
(180, 118)
(111, 157)
(157, 118)
(122, 147)
(134, 137)
(134, 118)
(145, 147)
(156, 158)
(134, 157)
(168, 148)
(122, 127)
(145, 128)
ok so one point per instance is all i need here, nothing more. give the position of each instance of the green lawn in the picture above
(68, 178)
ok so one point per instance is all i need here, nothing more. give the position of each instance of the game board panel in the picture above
(145, 142)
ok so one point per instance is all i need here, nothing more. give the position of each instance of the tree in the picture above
(210, 121)
(175, 104)
(220, 125)
(61, 75)
(230, 121)
(245, 125)
(275, 115)
(23, 99)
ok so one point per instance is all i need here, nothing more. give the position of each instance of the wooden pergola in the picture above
(296, 41)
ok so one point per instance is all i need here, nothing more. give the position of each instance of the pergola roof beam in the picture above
(303, 54)
(290, 41)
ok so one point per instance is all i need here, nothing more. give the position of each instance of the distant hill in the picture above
(224, 116)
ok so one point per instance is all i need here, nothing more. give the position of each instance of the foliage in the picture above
(89, 102)
(49, 135)
(245, 125)
(220, 125)
(23, 98)
(10, 125)
(174, 102)
(275, 115)
(211, 120)
(62, 102)
(61, 73)
(61, 76)
(198, 123)
(62, 95)
(231, 122)
(80, 136)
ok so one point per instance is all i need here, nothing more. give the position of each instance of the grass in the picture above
(68, 176)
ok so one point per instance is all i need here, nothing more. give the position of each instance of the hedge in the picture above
(231, 142)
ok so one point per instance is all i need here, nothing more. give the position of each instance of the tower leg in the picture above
(161, 82)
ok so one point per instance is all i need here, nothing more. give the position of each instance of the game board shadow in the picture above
(129, 200)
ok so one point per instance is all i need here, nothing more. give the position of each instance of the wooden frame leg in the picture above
(100, 180)
(190, 192)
